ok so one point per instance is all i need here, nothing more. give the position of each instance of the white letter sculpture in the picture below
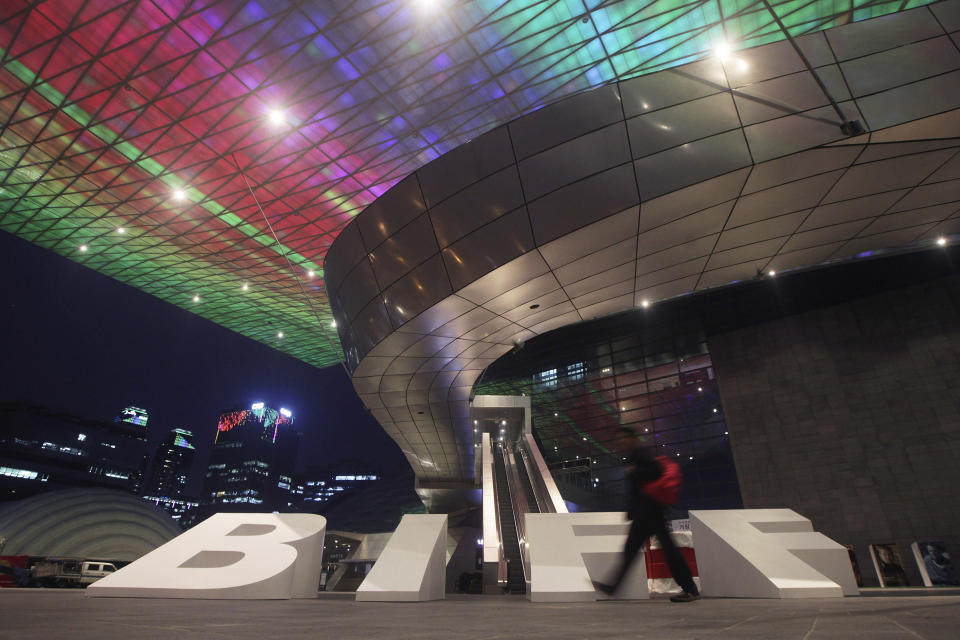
(228, 556)
(569, 550)
(413, 565)
(768, 553)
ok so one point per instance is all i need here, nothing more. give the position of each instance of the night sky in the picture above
(76, 340)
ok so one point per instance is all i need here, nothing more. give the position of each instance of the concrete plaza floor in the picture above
(68, 614)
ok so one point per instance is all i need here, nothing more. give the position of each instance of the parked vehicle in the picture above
(94, 570)
(70, 572)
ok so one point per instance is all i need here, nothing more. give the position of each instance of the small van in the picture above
(94, 570)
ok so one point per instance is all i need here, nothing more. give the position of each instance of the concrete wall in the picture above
(850, 415)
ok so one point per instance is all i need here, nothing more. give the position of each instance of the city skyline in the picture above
(86, 344)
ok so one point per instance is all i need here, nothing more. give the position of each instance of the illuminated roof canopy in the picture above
(209, 152)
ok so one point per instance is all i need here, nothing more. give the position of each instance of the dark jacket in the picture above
(644, 469)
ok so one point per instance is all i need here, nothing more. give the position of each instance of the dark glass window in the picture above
(587, 380)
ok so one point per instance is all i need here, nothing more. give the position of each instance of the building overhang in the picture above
(637, 192)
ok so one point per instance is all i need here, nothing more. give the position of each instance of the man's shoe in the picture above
(684, 597)
(605, 589)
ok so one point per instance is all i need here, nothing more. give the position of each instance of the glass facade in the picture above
(588, 380)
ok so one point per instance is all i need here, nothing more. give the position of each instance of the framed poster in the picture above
(935, 565)
(889, 565)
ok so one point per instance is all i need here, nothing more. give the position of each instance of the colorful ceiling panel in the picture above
(209, 151)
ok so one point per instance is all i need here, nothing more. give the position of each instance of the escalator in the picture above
(508, 527)
(515, 482)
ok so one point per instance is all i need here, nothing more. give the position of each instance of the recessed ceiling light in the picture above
(196, 298)
(179, 195)
(942, 240)
(311, 273)
(644, 303)
(83, 248)
(245, 286)
(771, 273)
(121, 230)
(279, 334)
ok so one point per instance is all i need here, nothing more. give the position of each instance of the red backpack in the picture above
(666, 488)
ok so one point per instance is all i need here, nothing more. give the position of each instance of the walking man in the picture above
(650, 493)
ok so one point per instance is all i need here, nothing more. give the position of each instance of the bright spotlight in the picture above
(722, 50)
(179, 195)
(427, 6)
(276, 117)
(644, 303)
(942, 241)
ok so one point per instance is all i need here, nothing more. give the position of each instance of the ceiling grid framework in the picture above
(108, 109)
(639, 191)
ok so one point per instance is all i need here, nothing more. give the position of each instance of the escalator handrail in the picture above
(545, 488)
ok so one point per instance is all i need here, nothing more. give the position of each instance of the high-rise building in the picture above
(252, 449)
(135, 419)
(43, 448)
(171, 466)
